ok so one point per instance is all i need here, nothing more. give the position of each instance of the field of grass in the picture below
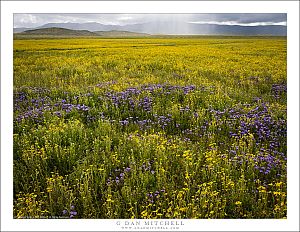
(150, 128)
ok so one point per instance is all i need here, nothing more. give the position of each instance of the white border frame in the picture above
(7, 10)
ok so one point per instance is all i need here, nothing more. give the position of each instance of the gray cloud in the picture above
(35, 20)
(242, 18)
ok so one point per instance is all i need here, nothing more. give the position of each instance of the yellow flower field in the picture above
(174, 127)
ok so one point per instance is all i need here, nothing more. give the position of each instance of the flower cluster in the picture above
(35, 111)
(148, 166)
(153, 196)
(278, 90)
(118, 176)
(72, 212)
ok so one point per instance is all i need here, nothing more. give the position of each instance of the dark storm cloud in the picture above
(34, 20)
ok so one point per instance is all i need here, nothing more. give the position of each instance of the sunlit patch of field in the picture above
(150, 128)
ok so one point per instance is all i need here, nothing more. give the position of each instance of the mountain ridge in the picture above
(57, 31)
(173, 28)
(63, 32)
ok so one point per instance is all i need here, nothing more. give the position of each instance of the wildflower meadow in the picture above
(150, 128)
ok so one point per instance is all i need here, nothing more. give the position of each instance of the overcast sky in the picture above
(35, 20)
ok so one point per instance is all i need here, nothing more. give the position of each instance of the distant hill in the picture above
(115, 33)
(93, 26)
(213, 29)
(183, 28)
(21, 29)
(167, 28)
(63, 32)
(56, 31)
